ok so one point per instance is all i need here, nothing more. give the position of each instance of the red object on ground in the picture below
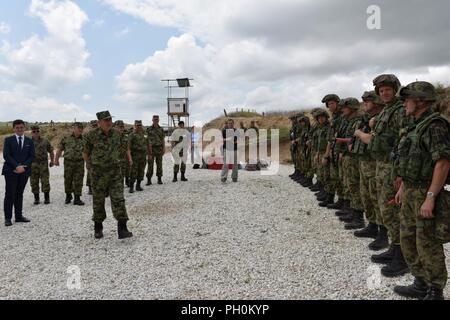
(215, 163)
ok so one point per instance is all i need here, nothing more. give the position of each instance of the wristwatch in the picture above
(430, 194)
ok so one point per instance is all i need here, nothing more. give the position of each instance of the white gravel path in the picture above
(262, 238)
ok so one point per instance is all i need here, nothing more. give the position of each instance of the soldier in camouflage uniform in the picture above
(330, 158)
(350, 164)
(305, 150)
(320, 140)
(139, 148)
(125, 154)
(39, 167)
(94, 125)
(312, 146)
(157, 144)
(294, 145)
(382, 142)
(367, 168)
(180, 160)
(103, 156)
(299, 156)
(424, 167)
(72, 146)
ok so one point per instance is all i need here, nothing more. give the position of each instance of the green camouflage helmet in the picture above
(78, 125)
(352, 103)
(421, 90)
(330, 97)
(119, 123)
(320, 113)
(372, 96)
(386, 80)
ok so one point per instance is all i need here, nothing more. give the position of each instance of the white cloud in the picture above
(4, 28)
(98, 22)
(86, 97)
(20, 104)
(123, 32)
(51, 62)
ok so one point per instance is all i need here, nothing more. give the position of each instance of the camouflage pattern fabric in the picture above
(156, 140)
(138, 146)
(39, 167)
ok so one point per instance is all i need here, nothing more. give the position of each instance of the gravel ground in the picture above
(262, 238)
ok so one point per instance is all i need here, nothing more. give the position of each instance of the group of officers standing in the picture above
(112, 157)
(389, 159)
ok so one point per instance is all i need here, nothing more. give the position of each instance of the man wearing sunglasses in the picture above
(40, 167)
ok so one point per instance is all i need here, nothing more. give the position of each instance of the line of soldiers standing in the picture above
(390, 162)
(112, 157)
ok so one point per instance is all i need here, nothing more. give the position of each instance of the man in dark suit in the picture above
(18, 152)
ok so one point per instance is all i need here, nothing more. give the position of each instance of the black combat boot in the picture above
(127, 182)
(347, 217)
(68, 198)
(47, 198)
(98, 230)
(90, 190)
(398, 266)
(417, 290)
(77, 201)
(329, 199)
(345, 208)
(385, 257)
(434, 294)
(308, 183)
(357, 222)
(381, 241)
(338, 205)
(316, 187)
(175, 177)
(131, 187)
(149, 182)
(37, 200)
(122, 230)
(322, 196)
(160, 180)
(293, 175)
(183, 178)
(371, 231)
(138, 186)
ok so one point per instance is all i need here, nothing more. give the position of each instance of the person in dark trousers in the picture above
(18, 152)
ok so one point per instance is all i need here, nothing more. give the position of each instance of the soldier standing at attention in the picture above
(139, 148)
(125, 154)
(321, 139)
(294, 146)
(424, 167)
(382, 141)
(72, 146)
(179, 161)
(102, 154)
(156, 141)
(94, 125)
(39, 167)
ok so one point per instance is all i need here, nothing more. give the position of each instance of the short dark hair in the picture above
(18, 122)
(181, 122)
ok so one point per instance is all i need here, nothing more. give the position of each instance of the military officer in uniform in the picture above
(102, 154)
(40, 166)
(180, 160)
(156, 141)
(139, 148)
(94, 125)
(125, 153)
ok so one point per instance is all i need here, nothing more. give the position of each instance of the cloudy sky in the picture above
(62, 59)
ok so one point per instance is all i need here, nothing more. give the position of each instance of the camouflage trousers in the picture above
(73, 176)
(307, 167)
(138, 167)
(422, 251)
(351, 182)
(342, 177)
(323, 173)
(108, 182)
(125, 169)
(88, 178)
(385, 188)
(40, 172)
(368, 187)
(157, 155)
(335, 181)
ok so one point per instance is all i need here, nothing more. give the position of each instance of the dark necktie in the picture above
(20, 143)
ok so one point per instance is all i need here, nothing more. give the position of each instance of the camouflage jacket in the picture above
(43, 147)
(352, 126)
(123, 146)
(155, 136)
(335, 124)
(138, 143)
(72, 147)
(103, 150)
(320, 137)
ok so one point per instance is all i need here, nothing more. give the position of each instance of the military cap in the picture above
(321, 112)
(78, 125)
(419, 90)
(94, 122)
(372, 96)
(119, 123)
(35, 127)
(351, 103)
(331, 97)
(103, 115)
(386, 80)
(138, 122)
